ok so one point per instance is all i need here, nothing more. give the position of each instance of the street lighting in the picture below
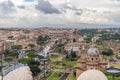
(113, 71)
(44, 60)
(1, 59)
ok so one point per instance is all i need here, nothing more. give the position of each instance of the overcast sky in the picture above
(40, 12)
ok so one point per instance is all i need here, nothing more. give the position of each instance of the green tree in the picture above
(8, 59)
(34, 69)
(14, 54)
(60, 47)
(10, 37)
(31, 55)
(31, 46)
(34, 66)
(41, 40)
(7, 51)
(40, 56)
(17, 47)
(24, 60)
(107, 52)
(33, 62)
(73, 54)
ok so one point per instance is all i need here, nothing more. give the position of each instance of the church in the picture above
(91, 60)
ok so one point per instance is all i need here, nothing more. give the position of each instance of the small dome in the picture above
(92, 75)
(93, 50)
(22, 73)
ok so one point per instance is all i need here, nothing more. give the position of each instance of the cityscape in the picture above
(59, 54)
(59, 40)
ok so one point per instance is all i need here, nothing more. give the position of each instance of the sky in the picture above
(32, 13)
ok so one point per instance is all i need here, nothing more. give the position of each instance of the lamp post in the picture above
(113, 71)
(1, 59)
(2, 56)
(44, 60)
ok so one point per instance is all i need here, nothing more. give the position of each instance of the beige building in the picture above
(9, 43)
(91, 60)
(6, 44)
(1, 46)
(76, 47)
(56, 33)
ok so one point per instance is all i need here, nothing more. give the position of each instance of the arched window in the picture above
(92, 59)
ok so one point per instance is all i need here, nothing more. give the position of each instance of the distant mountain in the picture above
(80, 25)
(77, 25)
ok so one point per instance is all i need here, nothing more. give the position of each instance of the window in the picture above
(96, 58)
(92, 59)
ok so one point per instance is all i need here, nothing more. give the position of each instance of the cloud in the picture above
(116, 0)
(46, 7)
(115, 16)
(21, 6)
(28, 0)
(24, 13)
(7, 7)
(11, 15)
(78, 13)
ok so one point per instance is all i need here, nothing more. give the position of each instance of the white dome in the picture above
(93, 50)
(22, 73)
(92, 75)
(0, 78)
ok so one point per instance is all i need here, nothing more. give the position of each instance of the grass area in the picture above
(73, 63)
(54, 58)
(100, 46)
(0, 74)
(55, 76)
(70, 63)
(71, 77)
(109, 76)
(57, 63)
(115, 78)
(48, 73)
(64, 64)
(116, 65)
(59, 66)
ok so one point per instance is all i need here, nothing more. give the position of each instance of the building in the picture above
(76, 47)
(91, 60)
(56, 33)
(1, 45)
(8, 44)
